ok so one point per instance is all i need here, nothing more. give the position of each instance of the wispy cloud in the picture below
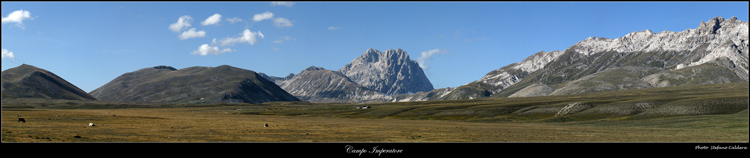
(289, 38)
(333, 28)
(9, 55)
(17, 17)
(246, 36)
(282, 22)
(205, 49)
(426, 56)
(192, 34)
(117, 51)
(212, 20)
(285, 38)
(234, 20)
(182, 23)
(461, 33)
(262, 16)
(475, 39)
(288, 4)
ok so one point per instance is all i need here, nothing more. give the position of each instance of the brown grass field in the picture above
(222, 124)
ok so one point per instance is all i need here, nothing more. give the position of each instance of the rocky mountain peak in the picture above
(711, 26)
(715, 32)
(311, 68)
(290, 75)
(397, 54)
(389, 72)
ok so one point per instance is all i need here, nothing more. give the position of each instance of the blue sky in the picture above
(91, 43)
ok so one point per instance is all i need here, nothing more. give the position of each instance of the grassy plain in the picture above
(708, 113)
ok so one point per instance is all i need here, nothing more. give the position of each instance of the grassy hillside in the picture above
(647, 103)
(191, 85)
(616, 105)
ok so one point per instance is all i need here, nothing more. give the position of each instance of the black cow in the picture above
(21, 120)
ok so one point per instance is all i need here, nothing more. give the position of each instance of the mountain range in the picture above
(714, 52)
(372, 77)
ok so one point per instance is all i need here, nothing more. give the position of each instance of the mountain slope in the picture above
(316, 84)
(372, 77)
(715, 52)
(164, 84)
(27, 81)
(718, 48)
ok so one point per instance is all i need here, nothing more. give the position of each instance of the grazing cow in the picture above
(265, 125)
(91, 124)
(21, 120)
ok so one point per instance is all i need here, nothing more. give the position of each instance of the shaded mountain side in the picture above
(316, 84)
(27, 81)
(222, 84)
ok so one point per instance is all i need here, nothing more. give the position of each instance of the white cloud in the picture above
(262, 16)
(234, 20)
(288, 4)
(333, 28)
(192, 34)
(289, 38)
(282, 22)
(277, 41)
(17, 17)
(8, 54)
(247, 36)
(182, 22)
(213, 19)
(205, 49)
(426, 56)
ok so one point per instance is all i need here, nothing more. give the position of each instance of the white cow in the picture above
(91, 124)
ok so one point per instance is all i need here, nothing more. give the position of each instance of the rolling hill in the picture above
(165, 84)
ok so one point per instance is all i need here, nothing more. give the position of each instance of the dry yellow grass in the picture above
(224, 124)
